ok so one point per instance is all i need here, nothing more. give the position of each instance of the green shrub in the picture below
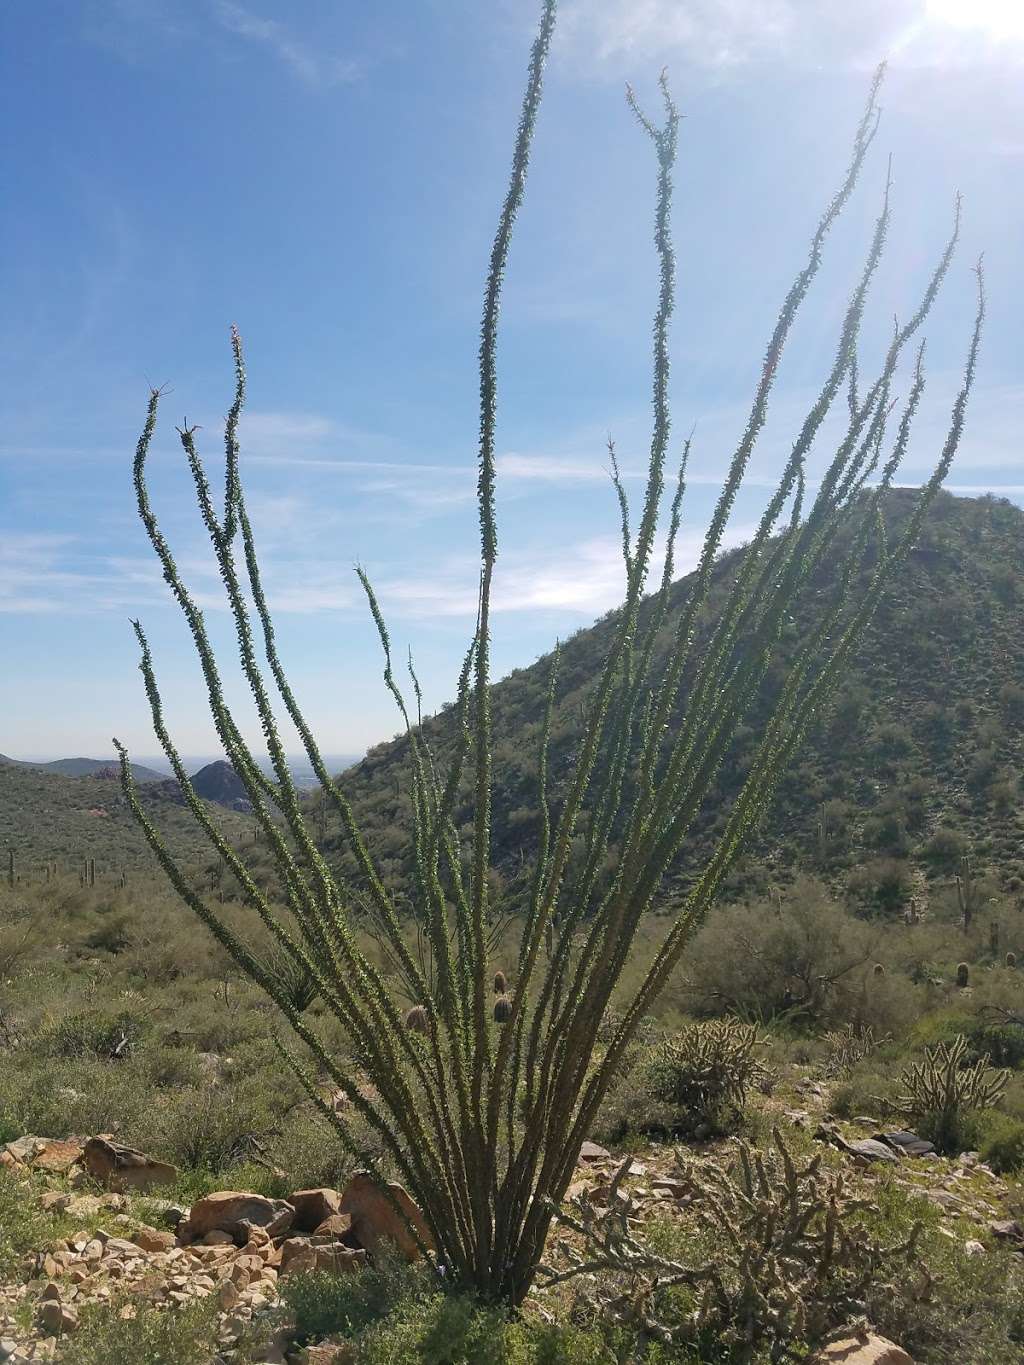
(1000, 1141)
(705, 1073)
(96, 1033)
(153, 1336)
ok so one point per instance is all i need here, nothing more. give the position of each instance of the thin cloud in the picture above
(725, 35)
(312, 67)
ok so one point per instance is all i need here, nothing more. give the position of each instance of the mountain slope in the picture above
(84, 767)
(916, 764)
(46, 818)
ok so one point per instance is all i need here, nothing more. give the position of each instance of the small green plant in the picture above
(707, 1071)
(944, 1089)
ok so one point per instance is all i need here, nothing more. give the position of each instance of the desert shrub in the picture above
(798, 957)
(944, 850)
(847, 1047)
(999, 1139)
(882, 884)
(784, 1256)
(944, 1091)
(156, 1336)
(705, 1072)
(96, 1033)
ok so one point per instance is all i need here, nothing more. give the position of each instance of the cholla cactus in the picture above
(485, 1125)
(878, 969)
(943, 1087)
(417, 1019)
(502, 1009)
(963, 975)
(500, 983)
(1011, 959)
(847, 1046)
(789, 1259)
(708, 1069)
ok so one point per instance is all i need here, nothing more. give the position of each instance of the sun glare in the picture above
(997, 18)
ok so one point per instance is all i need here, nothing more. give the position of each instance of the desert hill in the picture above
(916, 765)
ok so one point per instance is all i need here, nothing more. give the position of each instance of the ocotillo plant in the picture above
(481, 1107)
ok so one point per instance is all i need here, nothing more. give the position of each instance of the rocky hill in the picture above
(915, 766)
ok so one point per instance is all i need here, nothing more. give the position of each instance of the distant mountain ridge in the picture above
(85, 767)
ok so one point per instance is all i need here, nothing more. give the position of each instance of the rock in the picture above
(872, 1150)
(592, 1151)
(58, 1156)
(907, 1143)
(7, 1348)
(337, 1227)
(375, 1220)
(24, 1149)
(945, 1200)
(235, 1212)
(172, 1215)
(330, 1353)
(218, 1238)
(1007, 1230)
(974, 1248)
(312, 1207)
(152, 1239)
(866, 1349)
(120, 1167)
(294, 1247)
(55, 1317)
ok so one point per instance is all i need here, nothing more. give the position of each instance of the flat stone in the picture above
(120, 1167)
(593, 1151)
(1007, 1230)
(58, 1156)
(153, 1239)
(908, 1143)
(337, 1227)
(862, 1350)
(872, 1150)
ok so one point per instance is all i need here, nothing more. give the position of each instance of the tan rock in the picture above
(866, 1349)
(120, 1167)
(153, 1239)
(376, 1220)
(218, 1238)
(236, 1212)
(330, 1353)
(227, 1294)
(58, 1156)
(338, 1226)
(312, 1207)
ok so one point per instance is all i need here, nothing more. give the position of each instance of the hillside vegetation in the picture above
(916, 765)
(47, 819)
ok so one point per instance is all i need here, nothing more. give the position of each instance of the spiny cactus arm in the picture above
(863, 138)
(787, 729)
(383, 907)
(652, 811)
(365, 980)
(488, 532)
(665, 141)
(317, 957)
(235, 748)
(623, 500)
(252, 966)
(425, 818)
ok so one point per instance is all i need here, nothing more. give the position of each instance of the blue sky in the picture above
(327, 176)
